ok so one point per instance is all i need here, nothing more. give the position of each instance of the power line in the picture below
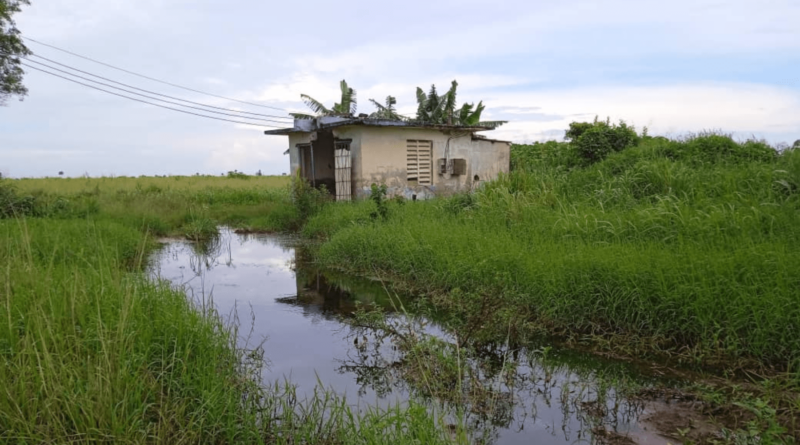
(147, 91)
(148, 77)
(149, 97)
(150, 103)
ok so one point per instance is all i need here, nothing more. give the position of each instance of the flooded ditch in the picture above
(303, 319)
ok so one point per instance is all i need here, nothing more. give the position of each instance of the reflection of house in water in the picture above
(321, 295)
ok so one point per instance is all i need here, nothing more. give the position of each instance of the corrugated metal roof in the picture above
(320, 124)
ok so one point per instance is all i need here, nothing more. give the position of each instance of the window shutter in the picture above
(418, 161)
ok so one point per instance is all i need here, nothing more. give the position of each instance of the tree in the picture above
(11, 49)
(345, 107)
(387, 111)
(441, 109)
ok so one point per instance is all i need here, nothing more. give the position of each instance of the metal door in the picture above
(343, 172)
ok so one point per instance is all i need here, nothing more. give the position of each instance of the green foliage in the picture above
(41, 204)
(11, 204)
(595, 141)
(387, 111)
(163, 206)
(199, 227)
(307, 199)
(550, 155)
(91, 349)
(651, 247)
(237, 174)
(347, 106)
(441, 109)
(378, 196)
(11, 50)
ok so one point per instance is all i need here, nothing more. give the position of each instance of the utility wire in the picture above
(150, 103)
(148, 91)
(148, 77)
(149, 97)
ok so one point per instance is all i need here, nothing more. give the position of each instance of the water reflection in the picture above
(507, 396)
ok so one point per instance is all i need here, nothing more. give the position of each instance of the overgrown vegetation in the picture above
(684, 247)
(92, 351)
(637, 245)
(432, 108)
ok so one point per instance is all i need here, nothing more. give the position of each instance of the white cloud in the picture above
(735, 107)
(539, 64)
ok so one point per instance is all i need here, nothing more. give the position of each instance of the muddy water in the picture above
(550, 396)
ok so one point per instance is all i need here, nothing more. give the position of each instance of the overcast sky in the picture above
(674, 66)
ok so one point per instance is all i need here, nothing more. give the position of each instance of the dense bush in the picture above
(594, 141)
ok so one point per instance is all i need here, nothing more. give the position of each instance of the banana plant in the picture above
(441, 109)
(387, 111)
(346, 107)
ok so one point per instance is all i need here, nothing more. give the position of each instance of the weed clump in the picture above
(307, 199)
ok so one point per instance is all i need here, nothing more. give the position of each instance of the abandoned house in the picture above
(349, 154)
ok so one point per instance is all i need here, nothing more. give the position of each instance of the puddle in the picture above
(534, 395)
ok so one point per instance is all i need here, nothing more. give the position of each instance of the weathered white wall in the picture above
(485, 159)
(382, 156)
(294, 155)
(379, 157)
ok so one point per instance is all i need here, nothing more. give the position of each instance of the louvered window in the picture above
(418, 162)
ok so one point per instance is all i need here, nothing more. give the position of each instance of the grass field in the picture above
(678, 249)
(189, 206)
(91, 351)
(68, 186)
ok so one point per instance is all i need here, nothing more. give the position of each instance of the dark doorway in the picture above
(323, 164)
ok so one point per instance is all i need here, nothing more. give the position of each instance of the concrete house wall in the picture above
(378, 156)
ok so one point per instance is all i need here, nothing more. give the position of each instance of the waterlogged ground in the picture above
(299, 316)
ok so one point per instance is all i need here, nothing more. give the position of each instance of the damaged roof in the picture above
(321, 123)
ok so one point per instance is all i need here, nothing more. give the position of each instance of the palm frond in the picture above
(315, 105)
(438, 110)
(386, 112)
(464, 113)
(390, 103)
(474, 117)
(348, 105)
(422, 105)
(421, 97)
(450, 103)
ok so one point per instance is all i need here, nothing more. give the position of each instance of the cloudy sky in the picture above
(674, 66)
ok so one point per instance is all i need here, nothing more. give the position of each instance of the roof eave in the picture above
(282, 131)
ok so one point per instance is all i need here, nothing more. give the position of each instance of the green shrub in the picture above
(307, 199)
(378, 196)
(594, 141)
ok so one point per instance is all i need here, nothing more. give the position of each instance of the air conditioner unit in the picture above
(458, 167)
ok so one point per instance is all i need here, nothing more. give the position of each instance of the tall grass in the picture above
(91, 351)
(688, 247)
